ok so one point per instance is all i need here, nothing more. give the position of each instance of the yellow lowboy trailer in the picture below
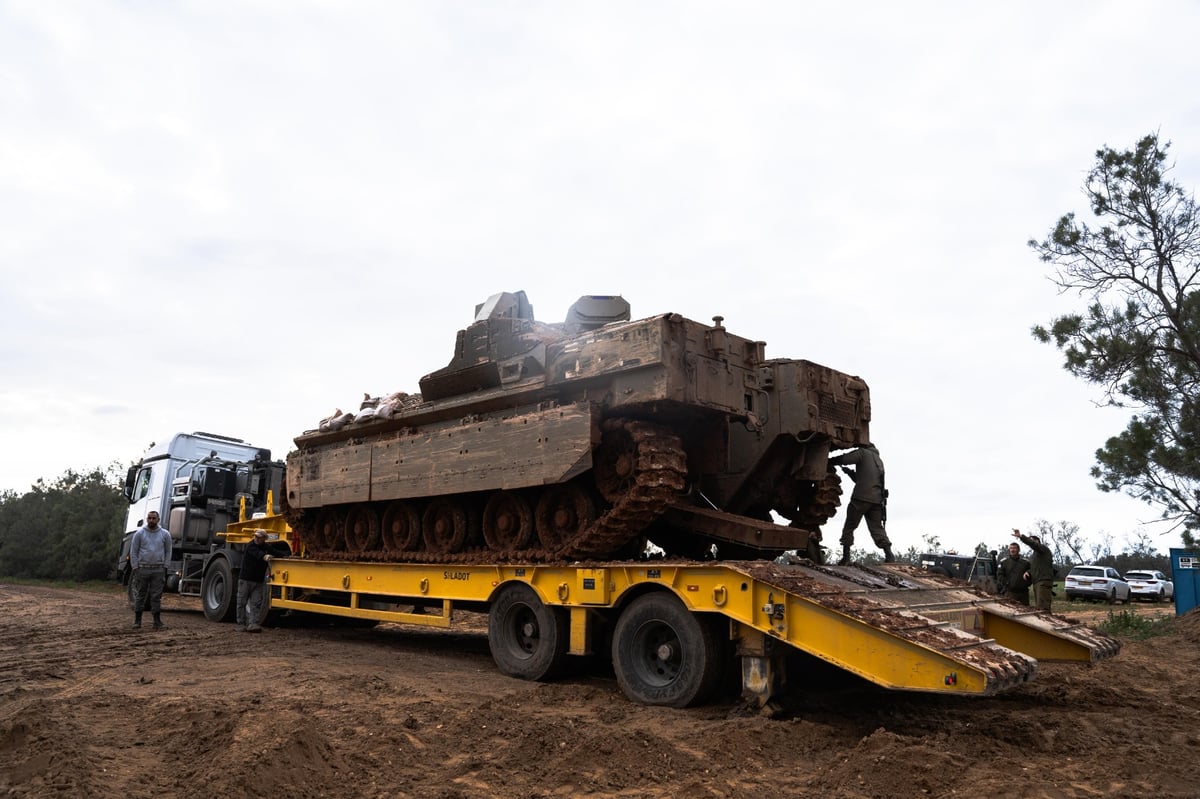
(671, 627)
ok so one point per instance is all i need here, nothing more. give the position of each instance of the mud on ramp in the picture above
(89, 708)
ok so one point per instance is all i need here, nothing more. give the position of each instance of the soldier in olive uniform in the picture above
(867, 500)
(1041, 570)
(1013, 575)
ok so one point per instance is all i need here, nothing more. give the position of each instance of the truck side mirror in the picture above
(130, 479)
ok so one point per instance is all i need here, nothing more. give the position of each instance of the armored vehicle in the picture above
(583, 440)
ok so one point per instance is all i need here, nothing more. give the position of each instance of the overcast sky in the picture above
(235, 217)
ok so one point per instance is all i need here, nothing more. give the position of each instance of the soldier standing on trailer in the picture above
(867, 501)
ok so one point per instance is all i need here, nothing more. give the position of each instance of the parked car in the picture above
(1097, 582)
(1150, 584)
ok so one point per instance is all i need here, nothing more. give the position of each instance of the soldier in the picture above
(1013, 575)
(867, 500)
(1041, 570)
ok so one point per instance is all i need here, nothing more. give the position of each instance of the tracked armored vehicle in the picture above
(583, 440)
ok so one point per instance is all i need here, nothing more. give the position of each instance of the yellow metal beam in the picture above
(1020, 634)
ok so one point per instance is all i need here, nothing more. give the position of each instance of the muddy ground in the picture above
(90, 708)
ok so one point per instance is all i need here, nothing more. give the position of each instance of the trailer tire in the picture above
(527, 639)
(218, 591)
(664, 654)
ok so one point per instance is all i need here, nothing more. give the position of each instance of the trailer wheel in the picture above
(664, 654)
(218, 592)
(527, 639)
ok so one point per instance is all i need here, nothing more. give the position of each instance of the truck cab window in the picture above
(143, 484)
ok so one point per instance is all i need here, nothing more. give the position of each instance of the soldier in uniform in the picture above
(1041, 570)
(1013, 575)
(867, 500)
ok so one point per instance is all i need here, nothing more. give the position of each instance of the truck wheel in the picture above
(218, 592)
(528, 640)
(664, 654)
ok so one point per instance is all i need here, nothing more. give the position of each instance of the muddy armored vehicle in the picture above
(583, 440)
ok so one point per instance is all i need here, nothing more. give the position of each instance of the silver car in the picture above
(1097, 582)
(1150, 584)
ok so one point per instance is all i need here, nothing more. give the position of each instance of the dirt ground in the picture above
(90, 708)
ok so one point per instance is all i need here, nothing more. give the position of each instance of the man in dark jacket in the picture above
(1013, 575)
(1041, 570)
(252, 579)
(866, 501)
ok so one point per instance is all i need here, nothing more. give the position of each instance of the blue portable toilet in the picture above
(1185, 571)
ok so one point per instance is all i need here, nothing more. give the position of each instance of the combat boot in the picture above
(158, 625)
(137, 621)
(888, 557)
(845, 561)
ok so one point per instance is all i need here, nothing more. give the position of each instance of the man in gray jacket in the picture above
(866, 501)
(149, 556)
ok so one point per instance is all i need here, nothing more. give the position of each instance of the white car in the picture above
(1097, 582)
(1150, 584)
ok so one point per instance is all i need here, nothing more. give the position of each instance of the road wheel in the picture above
(447, 526)
(329, 530)
(663, 654)
(218, 592)
(528, 640)
(563, 512)
(362, 529)
(1112, 596)
(507, 522)
(401, 527)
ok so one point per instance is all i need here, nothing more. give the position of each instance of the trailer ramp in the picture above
(902, 628)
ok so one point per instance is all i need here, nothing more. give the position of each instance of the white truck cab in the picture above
(197, 482)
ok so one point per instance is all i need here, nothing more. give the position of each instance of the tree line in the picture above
(68, 529)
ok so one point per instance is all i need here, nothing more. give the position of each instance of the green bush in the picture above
(69, 529)
(1127, 624)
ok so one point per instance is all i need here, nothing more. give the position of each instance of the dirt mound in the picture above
(91, 708)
